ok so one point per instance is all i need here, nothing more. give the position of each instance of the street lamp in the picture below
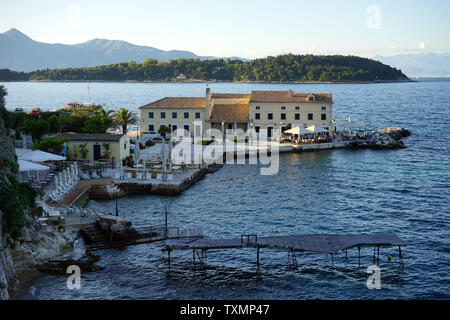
(251, 131)
(223, 132)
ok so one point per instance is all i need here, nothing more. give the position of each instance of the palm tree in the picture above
(123, 117)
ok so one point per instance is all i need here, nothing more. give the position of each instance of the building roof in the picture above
(90, 136)
(288, 96)
(230, 95)
(176, 103)
(230, 112)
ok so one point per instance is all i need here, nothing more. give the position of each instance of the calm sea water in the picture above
(406, 192)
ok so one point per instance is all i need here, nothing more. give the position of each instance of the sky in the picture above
(244, 28)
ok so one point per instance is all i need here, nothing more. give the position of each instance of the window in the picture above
(257, 107)
(283, 116)
(257, 129)
(174, 115)
(151, 127)
(174, 127)
(163, 115)
(186, 115)
(162, 125)
(150, 115)
(125, 146)
(297, 116)
(310, 116)
(297, 108)
(324, 108)
(270, 116)
(283, 107)
(230, 126)
(186, 127)
(257, 116)
(197, 115)
(323, 116)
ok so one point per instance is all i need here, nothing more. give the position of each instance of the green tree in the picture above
(124, 117)
(35, 127)
(83, 150)
(51, 144)
(163, 130)
(106, 151)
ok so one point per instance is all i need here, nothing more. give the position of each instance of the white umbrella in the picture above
(27, 166)
(298, 131)
(40, 156)
(21, 151)
(30, 166)
(316, 129)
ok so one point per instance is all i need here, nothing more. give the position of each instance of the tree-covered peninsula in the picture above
(283, 68)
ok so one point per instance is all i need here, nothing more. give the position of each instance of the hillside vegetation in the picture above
(284, 68)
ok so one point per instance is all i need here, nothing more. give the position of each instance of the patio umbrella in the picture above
(317, 129)
(298, 131)
(31, 166)
(21, 151)
(27, 166)
(40, 156)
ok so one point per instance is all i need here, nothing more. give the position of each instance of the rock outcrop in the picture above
(387, 138)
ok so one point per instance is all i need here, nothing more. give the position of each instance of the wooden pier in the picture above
(141, 235)
(317, 243)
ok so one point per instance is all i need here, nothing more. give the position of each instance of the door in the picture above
(97, 154)
(269, 132)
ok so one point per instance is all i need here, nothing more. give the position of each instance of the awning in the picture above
(29, 166)
(40, 156)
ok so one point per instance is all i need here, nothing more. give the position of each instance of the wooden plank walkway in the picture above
(317, 243)
(152, 236)
(320, 243)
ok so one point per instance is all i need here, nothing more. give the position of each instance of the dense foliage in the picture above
(281, 68)
(16, 199)
(51, 144)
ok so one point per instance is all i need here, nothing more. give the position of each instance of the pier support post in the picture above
(400, 256)
(378, 255)
(359, 256)
(346, 255)
(332, 259)
(193, 256)
(257, 256)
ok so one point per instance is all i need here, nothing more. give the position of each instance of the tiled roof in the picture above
(230, 95)
(288, 96)
(89, 136)
(176, 103)
(230, 112)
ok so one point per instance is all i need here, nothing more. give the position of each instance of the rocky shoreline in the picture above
(34, 249)
(387, 138)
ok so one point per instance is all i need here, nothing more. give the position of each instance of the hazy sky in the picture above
(245, 28)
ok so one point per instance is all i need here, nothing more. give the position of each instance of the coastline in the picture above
(220, 81)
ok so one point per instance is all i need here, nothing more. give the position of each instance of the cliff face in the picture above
(8, 277)
(33, 247)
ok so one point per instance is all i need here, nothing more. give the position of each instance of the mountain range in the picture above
(19, 52)
(420, 64)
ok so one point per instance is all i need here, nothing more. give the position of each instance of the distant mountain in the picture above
(21, 53)
(421, 64)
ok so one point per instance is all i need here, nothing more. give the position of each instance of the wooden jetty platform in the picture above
(319, 243)
(141, 235)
